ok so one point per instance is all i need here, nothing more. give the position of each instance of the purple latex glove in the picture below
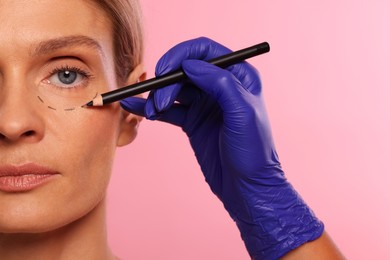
(223, 114)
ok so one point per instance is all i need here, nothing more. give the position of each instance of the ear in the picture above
(138, 74)
(128, 128)
(129, 122)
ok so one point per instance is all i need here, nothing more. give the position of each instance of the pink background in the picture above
(326, 84)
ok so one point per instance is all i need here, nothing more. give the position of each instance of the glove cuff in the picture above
(277, 228)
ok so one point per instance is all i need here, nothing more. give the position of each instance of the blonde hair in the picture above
(125, 16)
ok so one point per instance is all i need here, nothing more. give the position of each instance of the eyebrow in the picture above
(52, 45)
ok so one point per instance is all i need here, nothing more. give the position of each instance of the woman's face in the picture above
(55, 164)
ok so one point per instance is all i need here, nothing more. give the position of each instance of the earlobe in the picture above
(128, 128)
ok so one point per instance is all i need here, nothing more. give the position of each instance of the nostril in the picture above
(29, 133)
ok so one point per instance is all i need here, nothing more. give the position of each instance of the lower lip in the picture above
(23, 183)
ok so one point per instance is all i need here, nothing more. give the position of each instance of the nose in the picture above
(19, 117)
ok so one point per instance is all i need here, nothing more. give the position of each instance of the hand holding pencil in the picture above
(222, 61)
(223, 114)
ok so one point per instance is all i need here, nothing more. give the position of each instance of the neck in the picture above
(85, 238)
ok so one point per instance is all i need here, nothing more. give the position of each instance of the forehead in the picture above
(33, 21)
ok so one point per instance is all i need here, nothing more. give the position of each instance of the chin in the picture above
(35, 220)
(31, 225)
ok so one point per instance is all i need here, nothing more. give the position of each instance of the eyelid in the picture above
(68, 57)
(70, 60)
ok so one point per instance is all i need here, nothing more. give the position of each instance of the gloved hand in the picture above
(223, 114)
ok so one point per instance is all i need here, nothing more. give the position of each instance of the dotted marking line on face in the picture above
(40, 99)
(65, 109)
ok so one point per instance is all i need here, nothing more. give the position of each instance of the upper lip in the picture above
(25, 169)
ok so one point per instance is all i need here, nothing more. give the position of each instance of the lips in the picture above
(24, 177)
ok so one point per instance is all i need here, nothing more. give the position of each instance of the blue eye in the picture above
(68, 77)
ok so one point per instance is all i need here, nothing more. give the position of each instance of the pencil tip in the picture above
(89, 104)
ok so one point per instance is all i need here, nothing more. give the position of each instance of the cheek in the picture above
(87, 150)
(87, 133)
(89, 141)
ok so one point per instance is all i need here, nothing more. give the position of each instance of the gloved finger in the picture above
(188, 94)
(248, 76)
(175, 115)
(198, 49)
(165, 97)
(150, 108)
(134, 105)
(201, 48)
(220, 84)
(206, 49)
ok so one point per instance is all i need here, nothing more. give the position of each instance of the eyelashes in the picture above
(68, 77)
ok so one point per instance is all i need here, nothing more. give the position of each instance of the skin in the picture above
(64, 218)
(323, 248)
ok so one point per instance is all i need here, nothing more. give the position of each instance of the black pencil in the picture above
(175, 76)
